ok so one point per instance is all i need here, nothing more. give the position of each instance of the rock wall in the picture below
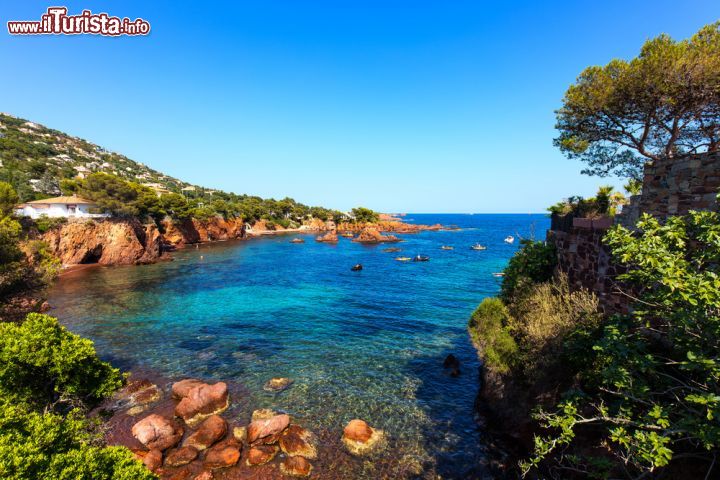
(107, 242)
(587, 262)
(197, 231)
(675, 186)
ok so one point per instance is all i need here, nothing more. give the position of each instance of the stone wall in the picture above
(670, 187)
(587, 262)
(675, 186)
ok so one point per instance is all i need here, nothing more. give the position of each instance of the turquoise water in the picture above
(366, 344)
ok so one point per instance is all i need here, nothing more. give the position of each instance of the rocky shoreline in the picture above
(130, 242)
(188, 430)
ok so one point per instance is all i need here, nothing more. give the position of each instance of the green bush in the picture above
(488, 329)
(42, 363)
(651, 393)
(45, 223)
(533, 263)
(37, 445)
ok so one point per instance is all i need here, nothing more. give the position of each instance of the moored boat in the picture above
(509, 239)
(403, 259)
(478, 246)
(446, 247)
(421, 258)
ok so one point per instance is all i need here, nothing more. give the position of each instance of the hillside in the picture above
(34, 159)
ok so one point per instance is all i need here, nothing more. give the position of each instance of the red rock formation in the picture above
(209, 432)
(202, 401)
(157, 432)
(107, 242)
(223, 454)
(179, 233)
(259, 429)
(330, 237)
(372, 235)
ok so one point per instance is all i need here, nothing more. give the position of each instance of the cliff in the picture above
(198, 231)
(108, 242)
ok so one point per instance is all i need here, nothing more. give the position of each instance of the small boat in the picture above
(356, 268)
(509, 239)
(477, 246)
(347, 235)
(446, 247)
(392, 249)
(498, 274)
(403, 259)
(297, 240)
(420, 258)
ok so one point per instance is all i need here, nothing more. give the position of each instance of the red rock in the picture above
(372, 235)
(181, 456)
(204, 475)
(330, 237)
(296, 467)
(260, 429)
(357, 431)
(156, 432)
(182, 388)
(223, 454)
(202, 401)
(296, 440)
(261, 454)
(209, 432)
(153, 460)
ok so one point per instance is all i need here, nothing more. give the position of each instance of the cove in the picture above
(367, 344)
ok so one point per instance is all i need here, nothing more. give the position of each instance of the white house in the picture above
(68, 207)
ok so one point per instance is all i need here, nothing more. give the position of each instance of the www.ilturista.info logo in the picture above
(57, 22)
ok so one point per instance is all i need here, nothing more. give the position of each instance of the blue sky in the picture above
(397, 106)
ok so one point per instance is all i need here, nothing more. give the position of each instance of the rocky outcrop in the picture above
(259, 430)
(329, 237)
(261, 454)
(296, 467)
(298, 441)
(224, 454)
(387, 226)
(107, 242)
(209, 432)
(372, 235)
(178, 233)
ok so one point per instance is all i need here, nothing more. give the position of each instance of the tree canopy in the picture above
(664, 103)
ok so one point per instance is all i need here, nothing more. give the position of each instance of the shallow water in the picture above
(366, 344)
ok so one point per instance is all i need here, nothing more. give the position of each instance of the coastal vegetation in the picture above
(626, 392)
(49, 379)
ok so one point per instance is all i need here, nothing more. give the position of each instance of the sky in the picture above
(399, 106)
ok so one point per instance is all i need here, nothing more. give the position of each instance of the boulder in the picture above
(360, 438)
(210, 431)
(453, 364)
(373, 235)
(296, 467)
(329, 237)
(296, 440)
(261, 454)
(153, 460)
(277, 384)
(182, 388)
(201, 401)
(263, 414)
(181, 456)
(223, 454)
(260, 429)
(204, 475)
(157, 432)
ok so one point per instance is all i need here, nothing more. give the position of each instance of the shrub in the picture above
(47, 445)
(488, 330)
(45, 223)
(651, 393)
(533, 263)
(42, 363)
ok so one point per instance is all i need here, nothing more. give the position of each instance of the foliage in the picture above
(42, 363)
(651, 394)
(364, 215)
(633, 187)
(8, 199)
(36, 444)
(664, 103)
(12, 260)
(46, 266)
(534, 262)
(488, 329)
(45, 223)
(605, 203)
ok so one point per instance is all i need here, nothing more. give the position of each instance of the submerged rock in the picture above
(157, 432)
(240, 434)
(359, 438)
(261, 454)
(153, 460)
(201, 401)
(263, 414)
(271, 427)
(278, 384)
(296, 467)
(181, 456)
(223, 454)
(453, 364)
(296, 440)
(209, 432)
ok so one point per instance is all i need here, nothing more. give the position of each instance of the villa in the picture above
(67, 207)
